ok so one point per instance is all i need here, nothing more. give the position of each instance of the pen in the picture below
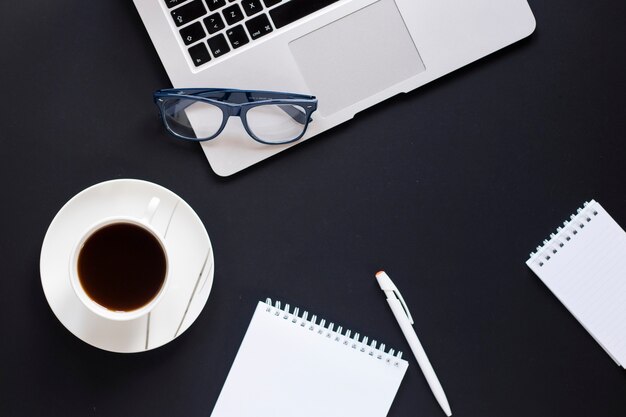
(401, 312)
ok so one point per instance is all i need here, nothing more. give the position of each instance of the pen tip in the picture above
(379, 273)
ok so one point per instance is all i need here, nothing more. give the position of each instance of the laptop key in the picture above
(237, 36)
(232, 14)
(215, 4)
(172, 3)
(214, 23)
(199, 54)
(270, 3)
(192, 33)
(188, 12)
(251, 7)
(296, 9)
(259, 26)
(218, 45)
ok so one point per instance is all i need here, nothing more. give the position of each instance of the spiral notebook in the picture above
(290, 365)
(584, 265)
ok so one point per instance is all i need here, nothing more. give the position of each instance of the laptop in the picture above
(350, 54)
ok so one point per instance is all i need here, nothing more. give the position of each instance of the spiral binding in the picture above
(564, 234)
(338, 335)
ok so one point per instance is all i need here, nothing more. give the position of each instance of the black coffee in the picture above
(122, 267)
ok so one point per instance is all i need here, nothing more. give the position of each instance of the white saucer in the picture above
(191, 260)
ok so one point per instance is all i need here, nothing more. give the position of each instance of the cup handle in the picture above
(153, 205)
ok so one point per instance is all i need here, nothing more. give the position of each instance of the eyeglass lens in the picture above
(276, 123)
(192, 119)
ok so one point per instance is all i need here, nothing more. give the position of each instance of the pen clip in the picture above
(404, 306)
(387, 285)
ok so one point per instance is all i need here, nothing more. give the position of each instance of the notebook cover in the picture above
(289, 365)
(584, 264)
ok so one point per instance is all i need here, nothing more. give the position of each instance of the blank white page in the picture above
(584, 265)
(288, 366)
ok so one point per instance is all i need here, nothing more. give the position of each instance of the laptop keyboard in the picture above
(212, 28)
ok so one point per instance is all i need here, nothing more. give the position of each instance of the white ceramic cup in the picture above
(143, 222)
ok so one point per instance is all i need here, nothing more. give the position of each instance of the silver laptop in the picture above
(350, 54)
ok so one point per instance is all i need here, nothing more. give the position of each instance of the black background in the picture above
(448, 188)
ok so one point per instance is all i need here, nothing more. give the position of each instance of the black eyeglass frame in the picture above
(255, 98)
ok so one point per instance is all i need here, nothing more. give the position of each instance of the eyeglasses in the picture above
(269, 117)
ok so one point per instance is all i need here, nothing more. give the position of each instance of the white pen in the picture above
(401, 312)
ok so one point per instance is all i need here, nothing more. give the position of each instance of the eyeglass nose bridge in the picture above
(233, 111)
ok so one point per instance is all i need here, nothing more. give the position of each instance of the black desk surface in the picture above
(448, 188)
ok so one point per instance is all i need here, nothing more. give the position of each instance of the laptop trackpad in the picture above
(357, 56)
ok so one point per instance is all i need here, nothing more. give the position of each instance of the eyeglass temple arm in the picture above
(294, 113)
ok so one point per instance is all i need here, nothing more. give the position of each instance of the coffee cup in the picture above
(119, 268)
